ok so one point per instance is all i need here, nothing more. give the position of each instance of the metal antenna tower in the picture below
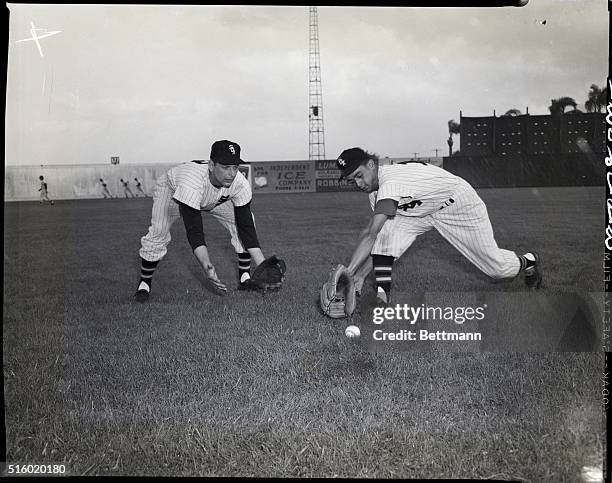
(316, 142)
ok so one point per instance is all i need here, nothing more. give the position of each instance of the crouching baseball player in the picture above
(411, 198)
(215, 187)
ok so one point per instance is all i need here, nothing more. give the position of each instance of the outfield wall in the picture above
(70, 182)
(66, 182)
(528, 170)
(82, 181)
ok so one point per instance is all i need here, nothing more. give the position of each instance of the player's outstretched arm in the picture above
(192, 219)
(269, 273)
(247, 232)
(366, 242)
(257, 255)
(210, 273)
(362, 272)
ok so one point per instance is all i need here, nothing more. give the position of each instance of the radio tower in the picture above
(316, 143)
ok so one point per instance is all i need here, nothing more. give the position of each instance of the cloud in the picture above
(161, 82)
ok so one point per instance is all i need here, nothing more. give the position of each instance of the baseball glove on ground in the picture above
(268, 275)
(338, 298)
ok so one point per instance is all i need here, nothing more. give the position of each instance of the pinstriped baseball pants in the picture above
(464, 224)
(166, 211)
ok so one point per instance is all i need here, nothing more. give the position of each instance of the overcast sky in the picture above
(159, 84)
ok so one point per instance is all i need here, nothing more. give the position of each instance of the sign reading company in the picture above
(328, 175)
(283, 177)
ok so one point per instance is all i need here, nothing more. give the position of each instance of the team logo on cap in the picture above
(341, 162)
(232, 149)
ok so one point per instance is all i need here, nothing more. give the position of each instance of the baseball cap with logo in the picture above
(350, 160)
(225, 152)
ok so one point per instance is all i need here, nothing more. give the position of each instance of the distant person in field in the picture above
(410, 198)
(126, 189)
(139, 187)
(105, 192)
(185, 191)
(44, 195)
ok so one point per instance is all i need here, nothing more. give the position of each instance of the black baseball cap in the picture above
(350, 160)
(225, 152)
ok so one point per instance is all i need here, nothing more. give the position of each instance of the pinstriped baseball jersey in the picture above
(464, 224)
(190, 184)
(420, 189)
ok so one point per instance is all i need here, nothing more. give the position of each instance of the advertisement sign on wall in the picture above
(283, 177)
(327, 177)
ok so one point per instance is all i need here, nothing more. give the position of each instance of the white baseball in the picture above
(352, 331)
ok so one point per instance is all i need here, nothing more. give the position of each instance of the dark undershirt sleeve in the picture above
(246, 226)
(193, 225)
(386, 206)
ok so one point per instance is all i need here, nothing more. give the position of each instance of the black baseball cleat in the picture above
(142, 294)
(246, 285)
(533, 274)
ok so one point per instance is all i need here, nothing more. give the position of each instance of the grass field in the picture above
(247, 385)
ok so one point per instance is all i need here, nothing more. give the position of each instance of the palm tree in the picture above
(453, 128)
(513, 113)
(597, 99)
(558, 106)
(603, 97)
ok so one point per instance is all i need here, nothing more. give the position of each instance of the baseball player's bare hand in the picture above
(358, 282)
(213, 281)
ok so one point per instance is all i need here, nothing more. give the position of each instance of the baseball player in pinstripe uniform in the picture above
(411, 198)
(215, 187)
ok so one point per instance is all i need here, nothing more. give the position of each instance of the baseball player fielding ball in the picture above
(218, 188)
(408, 199)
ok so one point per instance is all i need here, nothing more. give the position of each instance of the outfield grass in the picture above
(249, 385)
